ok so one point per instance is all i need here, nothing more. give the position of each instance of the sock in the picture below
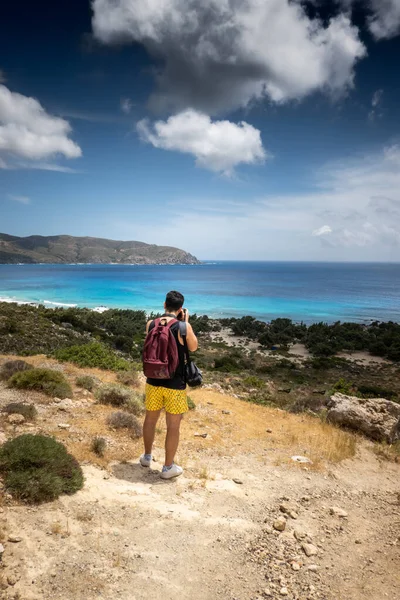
(165, 468)
(147, 457)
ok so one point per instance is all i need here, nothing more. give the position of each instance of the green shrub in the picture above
(18, 408)
(344, 387)
(86, 382)
(99, 446)
(52, 383)
(374, 391)
(135, 404)
(191, 404)
(94, 354)
(121, 420)
(129, 378)
(114, 394)
(253, 382)
(37, 468)
(13, 366)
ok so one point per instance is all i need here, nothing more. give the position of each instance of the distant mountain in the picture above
(69, 249)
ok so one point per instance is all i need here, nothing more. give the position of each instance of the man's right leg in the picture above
(149, 429)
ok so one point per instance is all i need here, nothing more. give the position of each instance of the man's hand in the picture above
(186, 313)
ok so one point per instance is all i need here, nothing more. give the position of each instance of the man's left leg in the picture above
(172, 438)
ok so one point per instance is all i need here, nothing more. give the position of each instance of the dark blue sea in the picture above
(301, 291)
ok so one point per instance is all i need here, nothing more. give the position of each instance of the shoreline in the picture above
(51, 305)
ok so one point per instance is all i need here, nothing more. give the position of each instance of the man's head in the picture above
(174, 301)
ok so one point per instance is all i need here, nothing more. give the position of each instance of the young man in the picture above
(168, 393)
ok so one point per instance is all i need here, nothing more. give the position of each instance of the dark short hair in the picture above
(174, 300)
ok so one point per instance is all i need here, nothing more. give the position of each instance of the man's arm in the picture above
(191, 339)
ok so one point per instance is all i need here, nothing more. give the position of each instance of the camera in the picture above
(182, 315)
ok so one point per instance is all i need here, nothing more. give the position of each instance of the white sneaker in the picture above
(174, 471)
(144, 461)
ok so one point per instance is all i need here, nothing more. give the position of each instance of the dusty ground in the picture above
(131, 536)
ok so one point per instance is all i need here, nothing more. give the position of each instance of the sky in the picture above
(234, 129)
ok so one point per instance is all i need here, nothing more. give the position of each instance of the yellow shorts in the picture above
(174, 401)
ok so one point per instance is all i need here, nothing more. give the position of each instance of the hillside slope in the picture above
(69, 249)
(210, 533)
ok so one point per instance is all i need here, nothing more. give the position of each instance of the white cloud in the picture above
(20, 199)
(359, 198)
(376, 105)
(126, 105)
(217, 145)
(27, 131)
(223, 54)
(324, 230)
(385, 19)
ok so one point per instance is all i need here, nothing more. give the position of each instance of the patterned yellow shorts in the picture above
(174, 401)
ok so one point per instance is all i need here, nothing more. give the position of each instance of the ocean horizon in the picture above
(302, 291)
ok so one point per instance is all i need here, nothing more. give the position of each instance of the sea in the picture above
(308, 292)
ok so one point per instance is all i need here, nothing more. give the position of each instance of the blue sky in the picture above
(235, 130)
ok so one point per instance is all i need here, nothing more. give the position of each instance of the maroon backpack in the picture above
(160, 352)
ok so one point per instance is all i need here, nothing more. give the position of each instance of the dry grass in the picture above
(246, 427)
(243, 430)
(389, 452)
(84, 516)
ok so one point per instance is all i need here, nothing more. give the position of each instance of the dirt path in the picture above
(131, 536)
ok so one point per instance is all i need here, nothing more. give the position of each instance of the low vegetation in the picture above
(129, 378)
(37, 468)
(135, 404)
(52, 383)
(13, 366)
(86, 382)
(98, 446)
(113, 394)
(191, 403)
(121, 420)
(28, 411)
(94, 354)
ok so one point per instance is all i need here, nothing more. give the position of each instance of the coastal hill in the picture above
(69, 249)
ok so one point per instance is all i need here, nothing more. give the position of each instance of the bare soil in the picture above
(208, 534)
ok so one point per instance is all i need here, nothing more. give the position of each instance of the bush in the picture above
(98, 446)
(52, 383)
(191, 403)
(94, 354)
(121, 420)
(344, 387)
(116, 395)
(18, 408)
(253, 382)
(135, 404)
(13, 366)
(129, 378)
(37, 468)
(86, 382)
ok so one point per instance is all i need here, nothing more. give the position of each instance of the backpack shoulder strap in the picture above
(183, 332)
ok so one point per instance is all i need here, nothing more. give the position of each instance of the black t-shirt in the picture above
(177, 382)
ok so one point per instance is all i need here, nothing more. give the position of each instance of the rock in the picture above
(14, 539)
(301, 459)
(3, 438)
(269, 430)
(299, 534)
(309, 549)
(338, 512)
(202, 435)
(1, 550)
(12, 579)
(16, 419)
(285, 390)
(284, 591)
(313, 568)
(293, 515)
(295, 566)
(238, 481)
(376, 418)
(226, 412)
(279, 524)
(64, 426)
(267, 593)
(57, 400)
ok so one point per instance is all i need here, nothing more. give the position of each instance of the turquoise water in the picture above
(302, 291)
